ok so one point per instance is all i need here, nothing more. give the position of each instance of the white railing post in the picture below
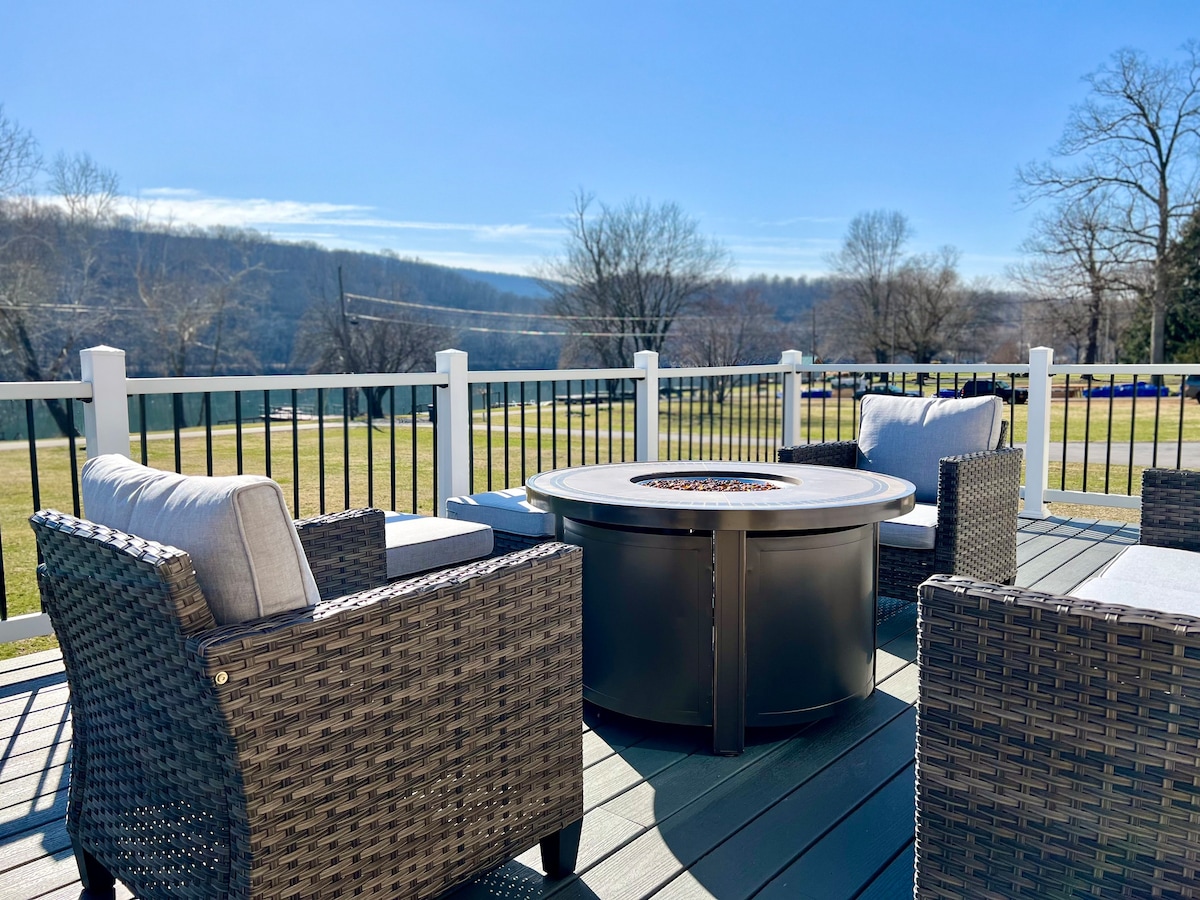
(106, 416)
(1037, 435)
(453, 427)
(646, 449)
(791, 397)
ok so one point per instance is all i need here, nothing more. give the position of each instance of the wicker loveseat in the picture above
(973, 518)
(1058, 737)
(392, 742)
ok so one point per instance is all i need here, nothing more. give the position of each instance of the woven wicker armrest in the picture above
(827, 453)
(978, 502)
(1056, 745)
(448, 704)
(1171, 508)
(346, 550)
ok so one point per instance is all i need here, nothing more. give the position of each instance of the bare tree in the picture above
(626, 274)
(935, 313)
(333, 339)
(863, 309)
(86, 189)
(733, 329)
(1136, 141)
(20, 159)
(53, 274)
(190, 297)
(1077, 263)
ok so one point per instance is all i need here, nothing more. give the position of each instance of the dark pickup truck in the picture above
(980, 387)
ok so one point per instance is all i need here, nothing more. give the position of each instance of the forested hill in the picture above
(191, 302)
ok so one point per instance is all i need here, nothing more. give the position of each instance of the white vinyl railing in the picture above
(105, 389)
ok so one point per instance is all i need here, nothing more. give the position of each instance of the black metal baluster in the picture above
(208, 455)
(1062, 486)
(177, 415)
(237, 418)
(73, 451)
(505, 395)
(370, 452)
(296, 453)
(142, 428)
(320, 443)
(267, 436)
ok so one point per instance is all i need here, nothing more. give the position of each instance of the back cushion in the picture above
(237, 530)
(907, 436)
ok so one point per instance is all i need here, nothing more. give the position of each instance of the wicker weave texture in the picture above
(1171, 508)
(978, 502)
(1058, 747)
(347, 551)
(510, 542)
(391, 743)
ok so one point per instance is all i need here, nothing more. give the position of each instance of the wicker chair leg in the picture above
(560, 851)
(98, 883)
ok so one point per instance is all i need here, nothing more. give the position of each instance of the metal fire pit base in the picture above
(725, 608)
(809, 623)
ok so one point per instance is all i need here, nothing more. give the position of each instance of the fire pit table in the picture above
(725, 594)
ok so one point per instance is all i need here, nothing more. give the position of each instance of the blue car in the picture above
(1129, 389)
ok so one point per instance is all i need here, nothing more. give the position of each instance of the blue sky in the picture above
(458, 132)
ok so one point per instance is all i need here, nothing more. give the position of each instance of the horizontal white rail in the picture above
(45, 390)
(248, 383)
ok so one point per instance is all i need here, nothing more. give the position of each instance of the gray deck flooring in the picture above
(819, 811)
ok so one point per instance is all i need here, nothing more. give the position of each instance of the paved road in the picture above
(1143, 453)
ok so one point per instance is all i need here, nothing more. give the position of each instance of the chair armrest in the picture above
(843, 454)
(415, 709)
(1171, 509)
(978, 501)
(347, 551)
(1051, 728)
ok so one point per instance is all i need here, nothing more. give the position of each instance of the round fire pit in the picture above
(725, 594)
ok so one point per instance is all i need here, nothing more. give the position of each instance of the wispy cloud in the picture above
(512, 247)
(185, 206)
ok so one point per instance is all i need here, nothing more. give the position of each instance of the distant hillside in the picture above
(522, 285)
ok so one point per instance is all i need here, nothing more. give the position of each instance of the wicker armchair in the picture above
(977, 503)
(1058, 738)
(393, 742)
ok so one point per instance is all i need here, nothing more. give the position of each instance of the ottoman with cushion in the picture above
(516, 522)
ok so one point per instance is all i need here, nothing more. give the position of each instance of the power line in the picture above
(457, 310)
(523, 331)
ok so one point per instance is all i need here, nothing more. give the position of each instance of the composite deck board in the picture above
(1059, 549)
(817, 810)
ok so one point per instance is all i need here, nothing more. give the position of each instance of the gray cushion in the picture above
(420, 543)
(915, 530)
(1150, 578)
(505, 510)
(236, 529)
(908, 436)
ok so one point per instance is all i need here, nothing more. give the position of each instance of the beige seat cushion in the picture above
(915, 530)
(419, 543)
(237, 530)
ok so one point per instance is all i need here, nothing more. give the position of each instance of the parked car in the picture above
(982, 387)
(888, 388)
(857, 382)
(1129, 389)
